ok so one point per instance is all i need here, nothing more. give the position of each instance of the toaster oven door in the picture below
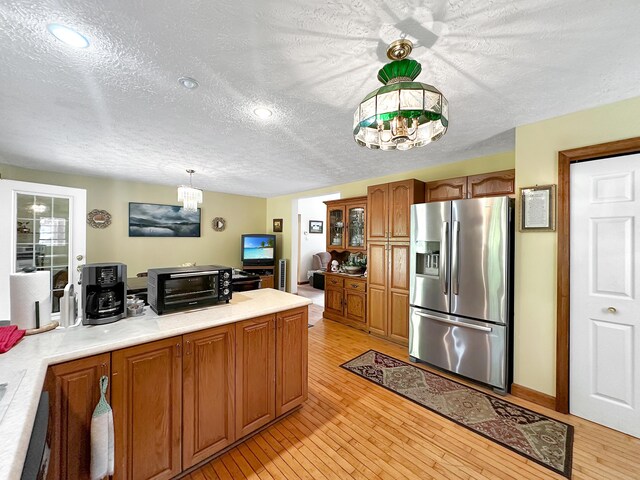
(190, 288)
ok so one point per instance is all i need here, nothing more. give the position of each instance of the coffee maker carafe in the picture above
(104, 293)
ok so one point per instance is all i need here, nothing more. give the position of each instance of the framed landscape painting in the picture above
(154, 220)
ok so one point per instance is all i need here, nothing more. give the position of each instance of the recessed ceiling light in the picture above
(262, 112)
(68, 35)
(188, 83)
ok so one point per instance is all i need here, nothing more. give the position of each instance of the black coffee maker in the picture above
(104, 293)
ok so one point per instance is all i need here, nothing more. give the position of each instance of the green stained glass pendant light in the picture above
(402, 114)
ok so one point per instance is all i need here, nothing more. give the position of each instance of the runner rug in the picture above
(532, 435)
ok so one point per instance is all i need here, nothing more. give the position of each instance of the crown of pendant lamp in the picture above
(189, 196)
(403, 113)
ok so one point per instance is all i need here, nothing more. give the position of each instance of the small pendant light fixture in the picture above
(402, 114)
(189, 196)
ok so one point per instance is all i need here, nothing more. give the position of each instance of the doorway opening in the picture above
(309, 245)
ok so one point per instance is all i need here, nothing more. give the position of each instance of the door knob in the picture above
(79, 257)
(612, 309)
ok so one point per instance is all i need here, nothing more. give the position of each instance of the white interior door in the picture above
(605, 309)
(45, 228)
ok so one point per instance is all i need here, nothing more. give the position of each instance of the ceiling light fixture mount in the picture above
(68, 35)
(189, 196)
(403, 113)
(188, 83)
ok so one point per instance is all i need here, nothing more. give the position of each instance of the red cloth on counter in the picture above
(9, 336)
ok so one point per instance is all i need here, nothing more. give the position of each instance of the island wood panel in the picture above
(350, 428)
(208, 392)
(449, 189)
(377, 288)
(291, 359)
(74, 392)
(147, 410)
(402, 195)
(377, 212)
(399, 292)
(255, 374)
(492, 184)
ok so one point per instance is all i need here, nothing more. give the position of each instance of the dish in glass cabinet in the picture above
(99, 218)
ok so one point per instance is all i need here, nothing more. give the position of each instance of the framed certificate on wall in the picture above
(538, 208)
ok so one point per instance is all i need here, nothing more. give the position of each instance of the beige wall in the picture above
(537, 147)
(281, 207)
(243, 215)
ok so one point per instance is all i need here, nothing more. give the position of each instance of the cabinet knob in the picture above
(612, 309)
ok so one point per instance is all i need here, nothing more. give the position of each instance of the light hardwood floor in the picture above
(350, 428)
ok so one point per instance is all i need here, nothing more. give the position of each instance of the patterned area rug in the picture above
(535, 436)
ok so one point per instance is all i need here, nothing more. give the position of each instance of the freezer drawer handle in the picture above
(457, 324)
(444, 277)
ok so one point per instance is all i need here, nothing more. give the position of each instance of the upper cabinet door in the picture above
(377, 213)
(401, 196)
(449, 189)
(492, 184)
(335, 227)
(47, 230)
(356, 219)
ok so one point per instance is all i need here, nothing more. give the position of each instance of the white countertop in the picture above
(35, 353)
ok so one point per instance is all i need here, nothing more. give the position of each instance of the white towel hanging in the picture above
(102, 458)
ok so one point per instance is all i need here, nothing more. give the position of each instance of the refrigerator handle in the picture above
(455, 254)
(444, 270)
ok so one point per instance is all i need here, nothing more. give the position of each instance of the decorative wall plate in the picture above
(99, 218)
(218, 224)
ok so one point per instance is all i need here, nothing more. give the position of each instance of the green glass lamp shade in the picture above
(403, 113)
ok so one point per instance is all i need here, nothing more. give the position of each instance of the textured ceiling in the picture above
(115, 109)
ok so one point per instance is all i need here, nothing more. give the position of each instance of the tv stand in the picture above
(266, 273)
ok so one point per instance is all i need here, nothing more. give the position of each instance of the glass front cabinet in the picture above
(346, 229)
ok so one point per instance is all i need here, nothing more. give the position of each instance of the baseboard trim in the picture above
(534, 396)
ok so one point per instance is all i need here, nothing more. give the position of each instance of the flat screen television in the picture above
(258, 249)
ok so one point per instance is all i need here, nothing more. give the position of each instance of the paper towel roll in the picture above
(25, 289)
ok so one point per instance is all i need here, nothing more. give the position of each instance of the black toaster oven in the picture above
(181, 288)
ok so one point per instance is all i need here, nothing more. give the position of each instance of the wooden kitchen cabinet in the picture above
(346, 299)
(492, 184)
(255, 374)
(147, 410)
(388, 257)
(443, 190)
(208, 393)
(74, 392)
(398, 288)
(377, 288)
(475, 186)
(388, 291)
(389, 209)
(291, 359)
(346, 224)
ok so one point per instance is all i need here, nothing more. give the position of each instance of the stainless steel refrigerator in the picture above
(461, 291)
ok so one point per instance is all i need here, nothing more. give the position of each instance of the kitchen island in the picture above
(120, 342)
